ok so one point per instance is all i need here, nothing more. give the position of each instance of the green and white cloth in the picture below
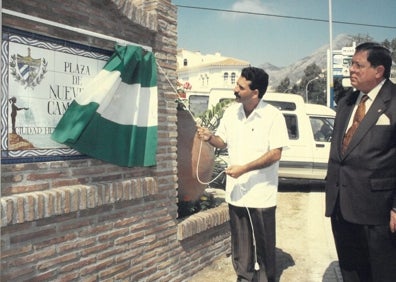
(115, 118)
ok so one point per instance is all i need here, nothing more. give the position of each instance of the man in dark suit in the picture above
(361, 176)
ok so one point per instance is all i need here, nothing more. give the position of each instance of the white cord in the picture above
(174, 89)
(197, 168)
(256, 264)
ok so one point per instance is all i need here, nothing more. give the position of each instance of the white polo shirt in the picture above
(248, 139)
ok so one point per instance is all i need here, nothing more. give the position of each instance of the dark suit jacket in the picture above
(364, 178)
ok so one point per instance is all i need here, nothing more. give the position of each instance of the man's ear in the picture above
(380, 71)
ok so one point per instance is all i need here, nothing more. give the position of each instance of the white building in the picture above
(209, 75)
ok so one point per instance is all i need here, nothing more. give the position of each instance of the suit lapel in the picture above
(379, 106)
(343, 115)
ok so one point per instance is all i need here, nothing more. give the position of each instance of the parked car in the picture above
(309, 127)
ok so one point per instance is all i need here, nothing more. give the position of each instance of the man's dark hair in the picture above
(377, 55)
(258, 78)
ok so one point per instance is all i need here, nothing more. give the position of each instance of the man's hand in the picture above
(392, 223)
(235, 171)
(204, 133)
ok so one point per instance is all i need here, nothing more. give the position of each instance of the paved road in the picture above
(305, 246)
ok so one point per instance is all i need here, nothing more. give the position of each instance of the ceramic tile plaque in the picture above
(40, 78)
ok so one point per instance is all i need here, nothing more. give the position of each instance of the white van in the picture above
(309, 126)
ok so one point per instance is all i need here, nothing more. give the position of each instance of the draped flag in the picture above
(115, 117)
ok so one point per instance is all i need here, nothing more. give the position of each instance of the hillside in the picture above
(296, 70)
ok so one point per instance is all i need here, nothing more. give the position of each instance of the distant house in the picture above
(208, 75)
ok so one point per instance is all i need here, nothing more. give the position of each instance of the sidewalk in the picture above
(222, 271)
(305, 247)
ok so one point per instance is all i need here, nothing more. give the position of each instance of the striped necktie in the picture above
(359, 115)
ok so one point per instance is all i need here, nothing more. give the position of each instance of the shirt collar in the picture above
(257, 111)
(374, 92)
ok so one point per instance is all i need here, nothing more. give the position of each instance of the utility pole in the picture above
(330, 79)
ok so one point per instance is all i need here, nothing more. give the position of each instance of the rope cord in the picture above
(174, 89)
(256, 264)
(195, 119)
(197, 169)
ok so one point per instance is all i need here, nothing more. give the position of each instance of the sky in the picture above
(298, 28)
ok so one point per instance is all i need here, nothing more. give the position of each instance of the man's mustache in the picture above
(237, 95)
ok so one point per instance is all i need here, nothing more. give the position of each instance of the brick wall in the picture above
(86, 220)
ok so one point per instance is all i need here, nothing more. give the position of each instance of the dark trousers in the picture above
(242, 248)
(365, 252)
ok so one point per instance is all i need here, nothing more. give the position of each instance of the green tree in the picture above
(295, 89)
(386, 43)
(360, 38)
(393, 49)
(313, 85)
(339, 90)
(284, 85)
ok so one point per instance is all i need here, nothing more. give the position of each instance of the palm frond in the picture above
(211, 117)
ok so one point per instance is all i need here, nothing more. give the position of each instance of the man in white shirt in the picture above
(255, 133)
